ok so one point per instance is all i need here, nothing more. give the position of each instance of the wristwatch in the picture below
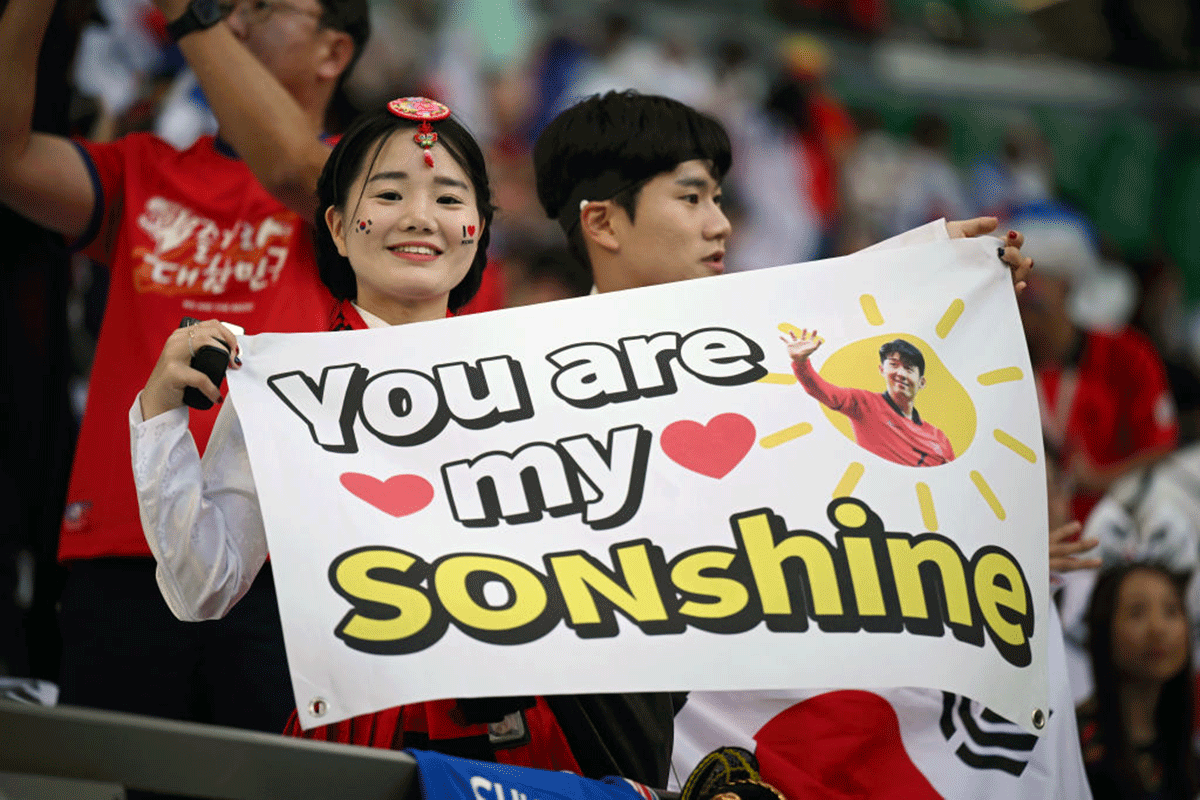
(200, 14)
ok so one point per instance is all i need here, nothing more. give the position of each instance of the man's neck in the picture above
(314, 98)
(609, 277)
(902, 404)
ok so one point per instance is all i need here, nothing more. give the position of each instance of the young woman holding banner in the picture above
(401, 236)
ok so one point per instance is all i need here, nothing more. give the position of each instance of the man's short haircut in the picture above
(608, 146)
(909, 355)
(352, 17)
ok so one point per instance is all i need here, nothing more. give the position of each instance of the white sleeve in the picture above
(201, 517)
(935, 231)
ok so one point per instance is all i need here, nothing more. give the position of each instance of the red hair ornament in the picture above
(425, 111)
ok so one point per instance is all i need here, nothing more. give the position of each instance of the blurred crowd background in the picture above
(851, 120)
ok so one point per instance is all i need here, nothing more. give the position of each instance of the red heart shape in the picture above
(399, 495)
(470, 230)
(713, 449)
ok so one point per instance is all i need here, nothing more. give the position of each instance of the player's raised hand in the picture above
(802, 346)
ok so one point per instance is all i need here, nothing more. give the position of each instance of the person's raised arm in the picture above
(276, 134)
(42, 177)
(799, 349)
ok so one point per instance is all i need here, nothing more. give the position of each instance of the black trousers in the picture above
(124, 650)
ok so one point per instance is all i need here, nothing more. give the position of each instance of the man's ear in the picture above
(337, 230)
(921, 383)
(598, 224)
(335, 55)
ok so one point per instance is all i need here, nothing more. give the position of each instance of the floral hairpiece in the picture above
(425, 111)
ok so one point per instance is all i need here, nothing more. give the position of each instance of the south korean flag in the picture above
(891, 744)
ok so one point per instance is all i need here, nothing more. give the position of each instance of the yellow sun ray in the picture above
(1016, 446)
(1005, 375)
(781, 378)
(946, 323)
(988, 495)
(870, 309)
(787, 327)
(928, 515)
(854, 471)
(786, 435)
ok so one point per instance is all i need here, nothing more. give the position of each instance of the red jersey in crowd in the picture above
(1111, 404)
(184, 233)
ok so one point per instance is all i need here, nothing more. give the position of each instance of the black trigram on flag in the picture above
(986, 739)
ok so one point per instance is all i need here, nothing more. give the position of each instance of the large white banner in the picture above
(633, 492)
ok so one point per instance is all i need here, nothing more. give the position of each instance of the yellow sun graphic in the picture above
(953, 409)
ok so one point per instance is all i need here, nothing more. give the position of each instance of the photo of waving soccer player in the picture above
(888, 423)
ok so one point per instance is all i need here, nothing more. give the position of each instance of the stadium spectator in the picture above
(1105, 404)
(645, 210)
(189, 233)
(1137, 728)
(1148, 514)
(202, 517)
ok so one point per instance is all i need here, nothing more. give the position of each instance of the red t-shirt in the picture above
(878, 425)
(1113, 404)
(188, 233)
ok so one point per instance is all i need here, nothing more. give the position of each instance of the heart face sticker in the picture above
(399, 495)
(470, 230)
(713, 449)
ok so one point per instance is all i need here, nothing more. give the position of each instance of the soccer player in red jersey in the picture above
(887, 424)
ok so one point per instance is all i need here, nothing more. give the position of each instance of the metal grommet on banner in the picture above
(1039, 719)
(317, 706)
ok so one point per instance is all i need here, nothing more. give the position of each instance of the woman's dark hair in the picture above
(608, 146)
(1173, 714)
(355, 153)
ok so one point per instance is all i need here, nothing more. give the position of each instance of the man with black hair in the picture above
(212, 230)
(634, 181)
(887, 424)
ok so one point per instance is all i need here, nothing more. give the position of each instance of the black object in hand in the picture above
(212, 360)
